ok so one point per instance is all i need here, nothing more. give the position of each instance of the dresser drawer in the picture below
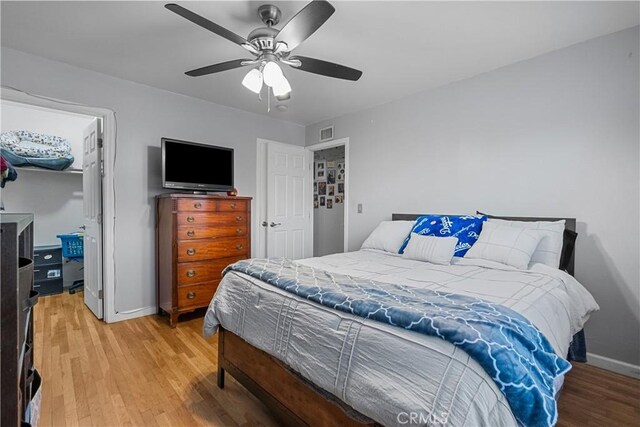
(196, 295)
(232, 205)
(198, 250)
(203, 271)
(45, 255)
(202, 205)
(205, 232)
(49, 286)
(213, 219)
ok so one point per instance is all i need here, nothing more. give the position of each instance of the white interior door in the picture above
(92, 190)
(288, 221)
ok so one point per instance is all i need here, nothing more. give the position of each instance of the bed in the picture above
(317, 366)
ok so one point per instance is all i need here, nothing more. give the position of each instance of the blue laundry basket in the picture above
(72, 245)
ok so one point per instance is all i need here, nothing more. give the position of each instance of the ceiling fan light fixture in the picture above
(253, 81)
(282, 87)
(272, 74)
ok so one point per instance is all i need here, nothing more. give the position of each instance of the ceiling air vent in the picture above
(326, 134)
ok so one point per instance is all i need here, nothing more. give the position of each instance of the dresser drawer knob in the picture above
(191, 233)
(239, 246)
(238, 230)
(191, 273)
(238, 218)
(191, 252)
(190, 219)
(197, 205)
(191, 295)
(233, 205)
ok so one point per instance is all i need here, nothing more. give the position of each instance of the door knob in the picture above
(275, 224)
(265, 223)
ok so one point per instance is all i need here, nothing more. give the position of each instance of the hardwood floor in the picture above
(596, 397)
(138, 372)
(141, 372)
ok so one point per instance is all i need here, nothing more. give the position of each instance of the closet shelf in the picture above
(35, 169)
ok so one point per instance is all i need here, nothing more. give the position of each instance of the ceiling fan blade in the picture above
(205, 23)
(305, 23)
(216, 68)
(326, 68)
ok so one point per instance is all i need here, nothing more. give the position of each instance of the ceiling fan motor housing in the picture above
(262, 38)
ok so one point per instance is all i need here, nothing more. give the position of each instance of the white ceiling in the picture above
(402, 47)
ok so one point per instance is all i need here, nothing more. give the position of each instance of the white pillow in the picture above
(549, 249)
(507, 245)
(436, 250)
(388, 236)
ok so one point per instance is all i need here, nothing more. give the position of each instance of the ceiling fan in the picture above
(271, 47)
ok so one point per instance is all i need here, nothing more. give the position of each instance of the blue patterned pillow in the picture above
(465, 227)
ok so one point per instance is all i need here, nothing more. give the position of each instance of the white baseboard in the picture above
(145, 311)
(614, 365)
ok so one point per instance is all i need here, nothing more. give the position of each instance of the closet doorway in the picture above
(57, 157)
(330, 197)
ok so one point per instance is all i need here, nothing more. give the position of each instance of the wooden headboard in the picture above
(570, 224)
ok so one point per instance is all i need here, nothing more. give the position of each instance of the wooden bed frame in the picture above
(291, 399)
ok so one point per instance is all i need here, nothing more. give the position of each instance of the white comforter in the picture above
(388, 373)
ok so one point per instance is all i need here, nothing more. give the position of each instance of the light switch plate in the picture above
(359, 207)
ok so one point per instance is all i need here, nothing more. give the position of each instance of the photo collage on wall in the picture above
(328, 185)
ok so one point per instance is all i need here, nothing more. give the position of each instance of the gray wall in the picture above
(144, 115)
(328, 224)
(54, 198)
(556, 135)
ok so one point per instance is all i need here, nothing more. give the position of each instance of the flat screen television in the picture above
(197, 167)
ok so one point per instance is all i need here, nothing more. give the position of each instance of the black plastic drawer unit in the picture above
(48, 287)
(47, 270)
(47, 255)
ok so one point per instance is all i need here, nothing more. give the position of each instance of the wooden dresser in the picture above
(197, 237)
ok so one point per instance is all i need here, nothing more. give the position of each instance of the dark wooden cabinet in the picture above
(197, 237)
(19, 380)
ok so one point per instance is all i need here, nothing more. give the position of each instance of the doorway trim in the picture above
(332, 144)
(109, 131)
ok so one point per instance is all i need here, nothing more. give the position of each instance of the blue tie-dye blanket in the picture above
(509, 348)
